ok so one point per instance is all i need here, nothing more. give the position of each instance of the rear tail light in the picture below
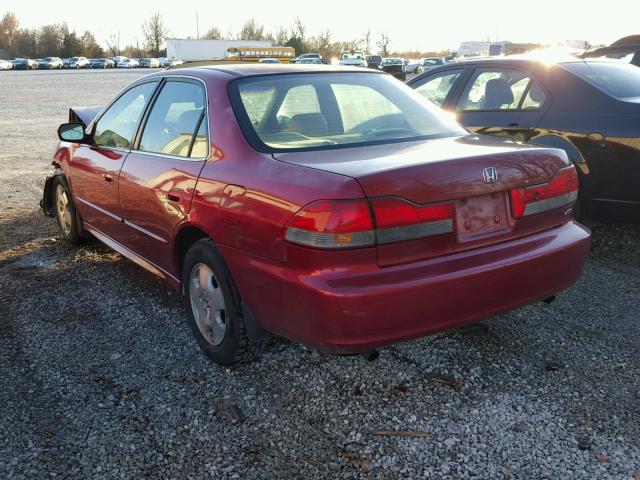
(332, 224)
(398, 219)
(561, 191)
(335, 224)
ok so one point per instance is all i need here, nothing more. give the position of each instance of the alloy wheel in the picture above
(63, 209)
(207, 303)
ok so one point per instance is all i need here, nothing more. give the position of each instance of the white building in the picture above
(190, 50)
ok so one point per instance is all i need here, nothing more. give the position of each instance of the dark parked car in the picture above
(329, 205)
(101, 63)
(374, 61)
(626, 49)
(149, 63)
(590, 109)
(24, 64)
(50, 63)
(394, 66)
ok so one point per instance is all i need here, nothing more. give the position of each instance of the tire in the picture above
(213, 307)
(66, 214)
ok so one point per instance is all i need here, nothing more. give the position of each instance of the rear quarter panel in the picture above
(268, 191)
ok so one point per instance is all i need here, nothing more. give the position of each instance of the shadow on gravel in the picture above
(99, 370)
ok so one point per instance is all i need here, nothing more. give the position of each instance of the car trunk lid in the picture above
(473, 174)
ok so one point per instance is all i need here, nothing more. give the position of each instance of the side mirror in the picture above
(71, 132)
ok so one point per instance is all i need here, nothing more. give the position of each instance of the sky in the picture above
(419, 25)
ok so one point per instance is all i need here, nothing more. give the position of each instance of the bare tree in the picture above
(213, 33)
(299, 31)
(321, 44)
(367, 41)
(49, 40)
(281, 36)
(251, 31)
(155, 32)
(9, 31)
(90, 47)
(113, 44)
(383, 44)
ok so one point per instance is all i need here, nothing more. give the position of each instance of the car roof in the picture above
(528, 59)
(252, 69)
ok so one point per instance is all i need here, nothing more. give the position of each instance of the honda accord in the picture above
(330, 205)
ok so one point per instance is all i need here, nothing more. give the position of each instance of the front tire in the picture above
(213, 307)
(66, 214)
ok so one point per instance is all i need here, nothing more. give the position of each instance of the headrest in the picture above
(187, 121)
(309, 124)
(497, 92)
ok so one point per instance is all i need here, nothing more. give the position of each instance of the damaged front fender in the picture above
(46, 203)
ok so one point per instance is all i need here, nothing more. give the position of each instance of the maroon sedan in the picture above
(332, 206)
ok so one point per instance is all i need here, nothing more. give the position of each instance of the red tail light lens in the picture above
(332, 224)
(398, 219)
(561, 191)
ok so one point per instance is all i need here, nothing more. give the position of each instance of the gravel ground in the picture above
(100, 377)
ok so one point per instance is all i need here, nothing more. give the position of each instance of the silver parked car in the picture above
(50, 63)
(429, 63)
(76, 62)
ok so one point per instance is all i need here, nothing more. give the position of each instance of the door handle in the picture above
(108, 178)
(515, 127)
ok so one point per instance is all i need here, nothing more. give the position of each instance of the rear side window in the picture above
(327, 110)
(438, 86)
(118, 125)
(535, 97)
(494, 89)
(617, 80)
(174, 118)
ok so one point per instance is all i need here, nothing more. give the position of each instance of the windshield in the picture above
(616, 79)
(392, 61)
(323, 111)
(432, 61)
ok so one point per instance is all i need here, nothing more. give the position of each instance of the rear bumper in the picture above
(357, 310)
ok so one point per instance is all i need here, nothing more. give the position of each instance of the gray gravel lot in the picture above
(100, 377)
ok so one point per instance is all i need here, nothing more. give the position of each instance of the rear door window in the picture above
(494, 89)
(176, 114)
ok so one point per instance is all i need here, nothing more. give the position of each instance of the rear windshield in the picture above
(330, 110)
(618, 80)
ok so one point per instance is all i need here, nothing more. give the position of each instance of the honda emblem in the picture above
(490, 175)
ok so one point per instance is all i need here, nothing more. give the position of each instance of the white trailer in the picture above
(191, 50)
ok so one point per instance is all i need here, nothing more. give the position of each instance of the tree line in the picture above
(59, 40)
(323, 43)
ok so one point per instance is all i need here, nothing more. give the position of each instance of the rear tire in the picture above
(66, 214)
(213, 307)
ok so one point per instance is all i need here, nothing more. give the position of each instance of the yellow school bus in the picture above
(254, 54)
